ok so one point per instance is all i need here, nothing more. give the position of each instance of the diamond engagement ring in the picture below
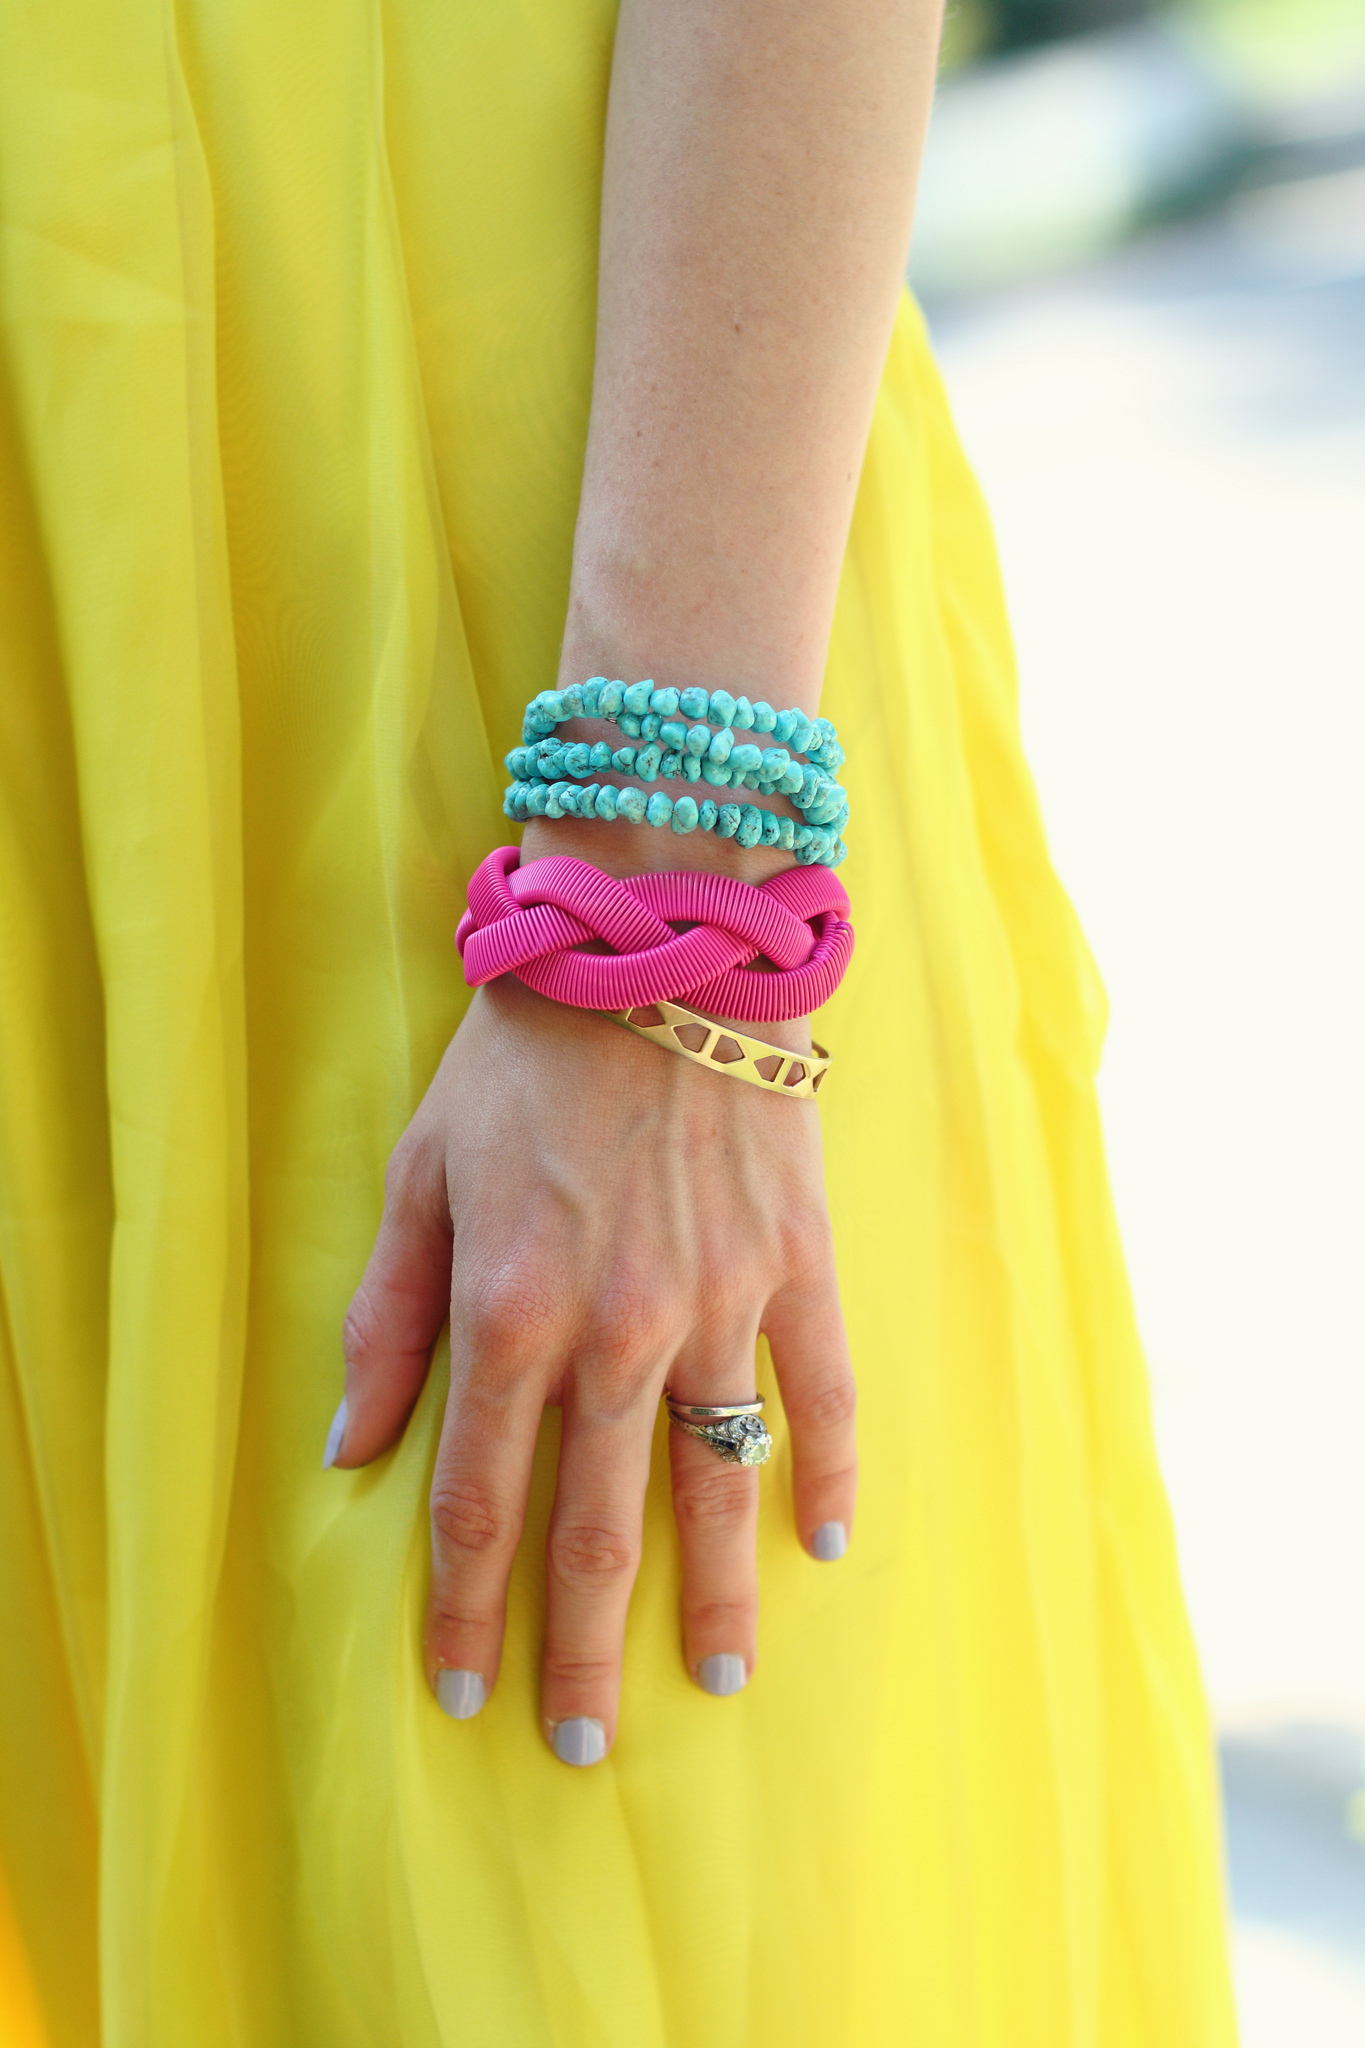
(735, 1432)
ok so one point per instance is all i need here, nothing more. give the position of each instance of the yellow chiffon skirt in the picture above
(297, 309)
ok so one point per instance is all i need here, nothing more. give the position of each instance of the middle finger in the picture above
(593, 1554)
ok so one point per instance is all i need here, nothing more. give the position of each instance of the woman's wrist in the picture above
(672, 652)
(622, 849)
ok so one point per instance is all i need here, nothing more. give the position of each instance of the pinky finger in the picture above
(805, 1331)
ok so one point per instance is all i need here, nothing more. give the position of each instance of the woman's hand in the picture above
(600, 1219)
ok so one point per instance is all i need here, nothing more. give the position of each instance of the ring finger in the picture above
(716, 1507)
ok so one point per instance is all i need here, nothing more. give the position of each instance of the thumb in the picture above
(397, 1311)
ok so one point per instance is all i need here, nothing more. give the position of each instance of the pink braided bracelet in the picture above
(530, 921)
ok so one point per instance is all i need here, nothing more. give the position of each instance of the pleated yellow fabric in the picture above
(297, 331)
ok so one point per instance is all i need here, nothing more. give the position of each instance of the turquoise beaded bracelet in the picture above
(550, 778)
(747, 824)
(632, 705)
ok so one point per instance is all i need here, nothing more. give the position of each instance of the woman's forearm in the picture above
(757, 199)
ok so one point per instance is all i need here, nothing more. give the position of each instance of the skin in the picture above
(597, 1217)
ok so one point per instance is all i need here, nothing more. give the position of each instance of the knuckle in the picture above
(626, 1343)
(469, 1519)
(592, 1554)
(828, 1407)
(449, 1622)
(631, 1322)
(722, 1620)
(361, 1333)
(507, 1317)
(577, 1673)
(722, 1500)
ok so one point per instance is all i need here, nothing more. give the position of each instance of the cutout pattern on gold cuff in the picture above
(726, 1051)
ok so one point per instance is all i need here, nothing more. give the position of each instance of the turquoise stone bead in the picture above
(685, 815)
(592, 696)
(771, 834)
(720, 746)
(538, 802)
(610, 699)
(722, 711)
(802, 838)
(659, 809)
(587, 799)
(509, 809)
(782, 726)
(607, 797)
(745, 760)
(744, 714)
(707, 815)
(671, 765)
(727, 819)
(694, 703)
(776, 762)
(649, 725)
(578, 760)
(629, 724)
(665, 702)
(568, 800)
(750, 826)
(624, 759)
(691, 767)
(786, 831)
(647, 761)
(716, 773)
(743, 781)
(600, 756)
(765, 718)
(698, 740)
(551, 703)
(839, 855)
(573, 700)
(799, 737)
(673, 733)
(791, 779)
(636, 699)
(632, 804)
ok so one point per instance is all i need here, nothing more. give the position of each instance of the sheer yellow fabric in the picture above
(298, 307)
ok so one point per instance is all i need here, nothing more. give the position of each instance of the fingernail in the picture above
(580, 1741)
(460, 1693)
(334, 1435)
(722, 1675)
(829, 1541)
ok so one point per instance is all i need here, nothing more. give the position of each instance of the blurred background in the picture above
(1141, 247)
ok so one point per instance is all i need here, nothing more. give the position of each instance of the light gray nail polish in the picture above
(829, 1541)
(460, 1693)
(580, 1741)
(334, 1436)
(722, 1675)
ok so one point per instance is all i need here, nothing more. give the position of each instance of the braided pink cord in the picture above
(530, 921)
